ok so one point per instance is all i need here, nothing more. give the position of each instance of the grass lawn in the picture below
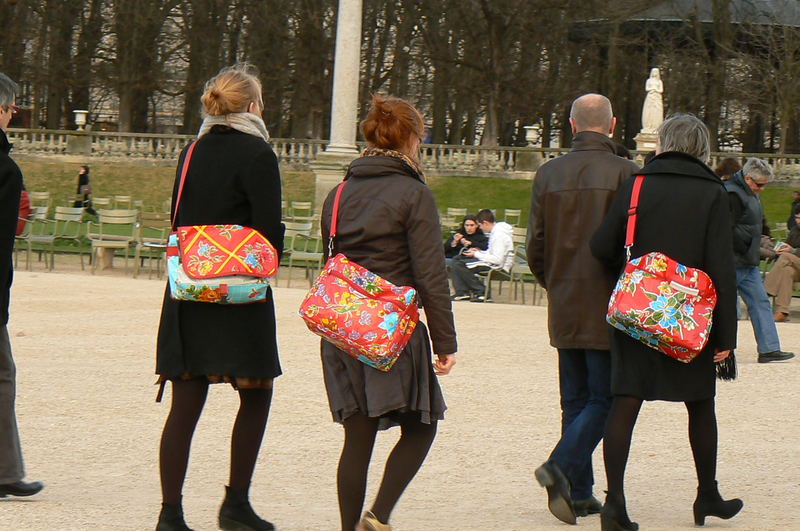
(153, 184)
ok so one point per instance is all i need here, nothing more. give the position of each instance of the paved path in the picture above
(84, 348)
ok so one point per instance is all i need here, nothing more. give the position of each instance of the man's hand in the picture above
(783, 249)
(444, 364)
(470, 252)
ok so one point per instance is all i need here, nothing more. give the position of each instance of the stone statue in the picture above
(653, 109)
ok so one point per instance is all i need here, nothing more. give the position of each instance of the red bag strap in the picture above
(335, 217)
(632, 214)
(184, 171)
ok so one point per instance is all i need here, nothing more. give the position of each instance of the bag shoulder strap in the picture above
(632, 214)
(335, 218)
(184, 171)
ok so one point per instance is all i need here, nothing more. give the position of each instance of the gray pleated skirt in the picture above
(409, 387)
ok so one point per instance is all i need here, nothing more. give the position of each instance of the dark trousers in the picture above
(585, 385)
(465, 281)
(11, 468)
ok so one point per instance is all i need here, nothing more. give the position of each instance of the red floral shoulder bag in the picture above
(660, 302)
(358, 311)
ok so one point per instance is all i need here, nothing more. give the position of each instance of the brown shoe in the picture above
(781, 317)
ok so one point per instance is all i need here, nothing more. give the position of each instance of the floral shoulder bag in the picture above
(358, 311)
(660, 302)
(219, 264)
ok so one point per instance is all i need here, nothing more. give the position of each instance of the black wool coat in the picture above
(10, 188)
(233, 178)
(683, 213)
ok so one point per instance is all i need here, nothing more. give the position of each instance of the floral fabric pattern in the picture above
(361, 313)
(665, 305)
(210, 251)
(230, 289)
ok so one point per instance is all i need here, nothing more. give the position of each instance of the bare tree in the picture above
(137, 26)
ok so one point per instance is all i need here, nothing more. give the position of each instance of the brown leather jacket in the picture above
(389, 224)
(571, 195)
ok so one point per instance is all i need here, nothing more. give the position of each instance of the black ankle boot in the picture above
(614, 516)
(236, 513)
(710, 503)
(171, 518)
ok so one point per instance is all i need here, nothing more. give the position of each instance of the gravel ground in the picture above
(84, 347)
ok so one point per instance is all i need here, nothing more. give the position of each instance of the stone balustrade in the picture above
(297, 154)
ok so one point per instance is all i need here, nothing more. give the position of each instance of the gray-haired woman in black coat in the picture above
(683, 213)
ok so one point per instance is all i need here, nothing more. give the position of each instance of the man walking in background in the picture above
(571, 195)
(11, 467)
(747, 216)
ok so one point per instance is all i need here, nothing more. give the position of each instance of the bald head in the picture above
(592, 112)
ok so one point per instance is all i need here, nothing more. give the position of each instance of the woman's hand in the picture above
(721, 355)
(465, 242)
(443, 364)
(456, 237)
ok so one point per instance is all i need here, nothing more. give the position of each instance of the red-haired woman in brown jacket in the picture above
(388, 222)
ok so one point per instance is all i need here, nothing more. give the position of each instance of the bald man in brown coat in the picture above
(571, 195)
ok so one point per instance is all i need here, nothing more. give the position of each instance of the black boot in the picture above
(710, 503)
(171, 518)
(236, 513)
(614, 516)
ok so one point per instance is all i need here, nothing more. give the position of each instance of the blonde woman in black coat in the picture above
(683, 213)
(233, 179)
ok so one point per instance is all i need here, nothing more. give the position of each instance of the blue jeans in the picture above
(751, 288)
(585, 384)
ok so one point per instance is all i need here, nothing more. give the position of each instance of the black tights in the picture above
(619, 429)
(402, 465)
(188, 399)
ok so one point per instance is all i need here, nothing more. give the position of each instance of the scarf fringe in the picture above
(726, 369)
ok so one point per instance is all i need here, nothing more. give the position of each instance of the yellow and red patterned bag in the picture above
(211, 251)
(218, 264)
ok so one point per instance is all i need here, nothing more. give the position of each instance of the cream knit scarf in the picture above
(241, 121)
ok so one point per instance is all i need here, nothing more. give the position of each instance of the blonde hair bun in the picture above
(232, 90)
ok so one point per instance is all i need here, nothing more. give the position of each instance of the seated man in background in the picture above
(499, 255)
(786, 271)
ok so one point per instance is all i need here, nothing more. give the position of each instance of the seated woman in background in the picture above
(468, 235)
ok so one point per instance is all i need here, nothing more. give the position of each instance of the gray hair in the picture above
(591, 111)
(755, 168)
(685, 133)
(8, 90)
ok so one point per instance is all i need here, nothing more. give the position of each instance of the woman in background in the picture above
(468, 235)
(85, 190)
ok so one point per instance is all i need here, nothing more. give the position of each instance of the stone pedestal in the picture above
(646, 141)
(528, 160)
(79, 143)
(329, 170)
(105, 258)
